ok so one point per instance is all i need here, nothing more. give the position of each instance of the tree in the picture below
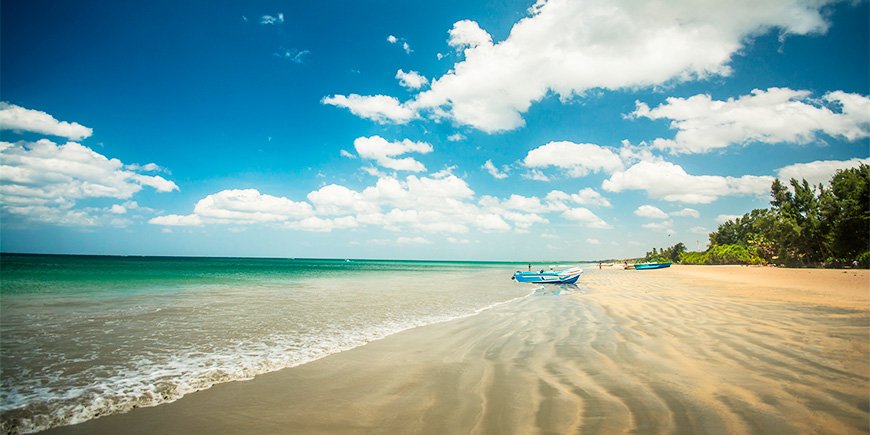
(848, 209)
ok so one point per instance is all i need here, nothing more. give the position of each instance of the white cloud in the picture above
(118, 209)
(515, 202)
(43, 181)
(379, 108)
(687, 212)
(317, 224)
(652, 212)
(269, 19)
(589, 196)
(722, 218)
(18, 118)
(456, 137)
(499, 175)
(175, 220)
(593, 241)
(239, 207)
(818, 172)
(392, 39)
(467, 34)
(586, 217)
(292, 54)
(576, 159)
(699, 230)
(413, 241)
(775, 115)
(245, 206)
(556, 199)
(384, 152)
(665, 226)
(456, 241)
(411, 79)
(535, 175)
(334, 199)
(346, 154)
(568, 48)
(670, 182)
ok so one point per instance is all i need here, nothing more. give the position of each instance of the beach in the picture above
(689, 349)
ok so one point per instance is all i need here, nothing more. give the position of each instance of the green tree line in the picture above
(805, 226)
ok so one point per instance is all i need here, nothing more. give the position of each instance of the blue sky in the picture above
(365, 129)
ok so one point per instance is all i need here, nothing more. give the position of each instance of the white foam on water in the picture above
(154, 379)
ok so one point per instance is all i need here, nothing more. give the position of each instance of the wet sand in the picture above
(725, 350)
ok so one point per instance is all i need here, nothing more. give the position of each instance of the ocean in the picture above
(87, 336)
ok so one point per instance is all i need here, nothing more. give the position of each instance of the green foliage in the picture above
(667, 255)
(732, 254)
(805, 225)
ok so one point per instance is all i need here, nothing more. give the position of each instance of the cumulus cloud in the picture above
(411, 79)
(576, 159)
(670, 182)
(441, 203)
(467, 34)
(568, 48)
(489, 167)
(18, 118)
(238, 206)
(176, 220)
(775, 115)
(586, 218)
(336, 199)
(379, 108)
(593, 241)
(535, 175)
(44, 181)
(686, 212)
(243, 206)
(384, 152)
(557, 199)
(664, 226)
(818, 172)
(322, 225)
(649, 211)
(456, 137)
(392, 39)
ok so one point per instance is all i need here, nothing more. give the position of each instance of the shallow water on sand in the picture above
(85, 336)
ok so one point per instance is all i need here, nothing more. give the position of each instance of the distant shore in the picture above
(689, 349)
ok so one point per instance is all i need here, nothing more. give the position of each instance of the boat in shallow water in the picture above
(648, 266)
(565, 276)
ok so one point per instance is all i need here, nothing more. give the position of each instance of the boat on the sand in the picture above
(648, 266)
(565, 276)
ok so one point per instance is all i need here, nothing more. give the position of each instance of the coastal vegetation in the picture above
(806, 225)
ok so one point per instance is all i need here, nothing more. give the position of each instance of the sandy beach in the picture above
(690, 349)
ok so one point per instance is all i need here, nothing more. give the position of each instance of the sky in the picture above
(453, 130)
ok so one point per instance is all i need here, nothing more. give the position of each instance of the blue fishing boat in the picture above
(565, 276)
(648, 266)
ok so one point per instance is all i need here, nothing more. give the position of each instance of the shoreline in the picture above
(653, 351)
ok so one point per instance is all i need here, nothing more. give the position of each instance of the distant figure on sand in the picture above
(530, 267)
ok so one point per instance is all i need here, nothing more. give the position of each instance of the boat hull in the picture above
(651, 266)
(569, 276)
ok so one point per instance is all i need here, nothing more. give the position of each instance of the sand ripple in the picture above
(642, 352)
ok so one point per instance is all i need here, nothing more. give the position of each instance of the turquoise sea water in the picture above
(85, 336)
